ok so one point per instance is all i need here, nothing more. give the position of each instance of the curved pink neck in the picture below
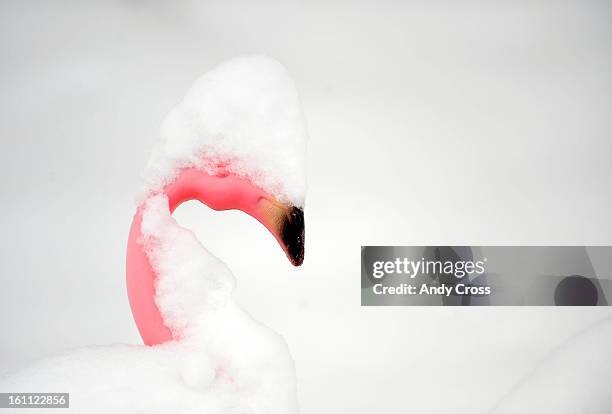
(219, 192)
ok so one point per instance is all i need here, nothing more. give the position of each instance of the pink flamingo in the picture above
(236, 141)
(222, 191)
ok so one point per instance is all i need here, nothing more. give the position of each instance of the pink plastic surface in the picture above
(220, 192)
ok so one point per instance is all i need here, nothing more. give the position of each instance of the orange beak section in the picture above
(286, 224)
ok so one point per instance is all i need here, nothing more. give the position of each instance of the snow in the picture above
(243, 116)
(224, 362)
(191, 281)
(369, 107)
(574, 378)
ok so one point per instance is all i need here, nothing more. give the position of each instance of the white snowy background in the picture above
(430, 123)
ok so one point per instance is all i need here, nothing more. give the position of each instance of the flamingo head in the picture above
(237, 141)
(223, 190)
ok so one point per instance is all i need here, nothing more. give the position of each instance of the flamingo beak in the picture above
(286, 223)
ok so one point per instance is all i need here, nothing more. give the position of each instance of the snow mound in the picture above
(242, 117)
(224, 362)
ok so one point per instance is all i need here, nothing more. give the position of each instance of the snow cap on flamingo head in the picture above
(243, 117)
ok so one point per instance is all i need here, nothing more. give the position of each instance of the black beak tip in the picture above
(293, 235)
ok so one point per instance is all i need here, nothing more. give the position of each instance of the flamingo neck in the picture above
(220, 192)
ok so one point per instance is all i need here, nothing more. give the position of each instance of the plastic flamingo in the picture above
(235, 142)
(222, 191)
